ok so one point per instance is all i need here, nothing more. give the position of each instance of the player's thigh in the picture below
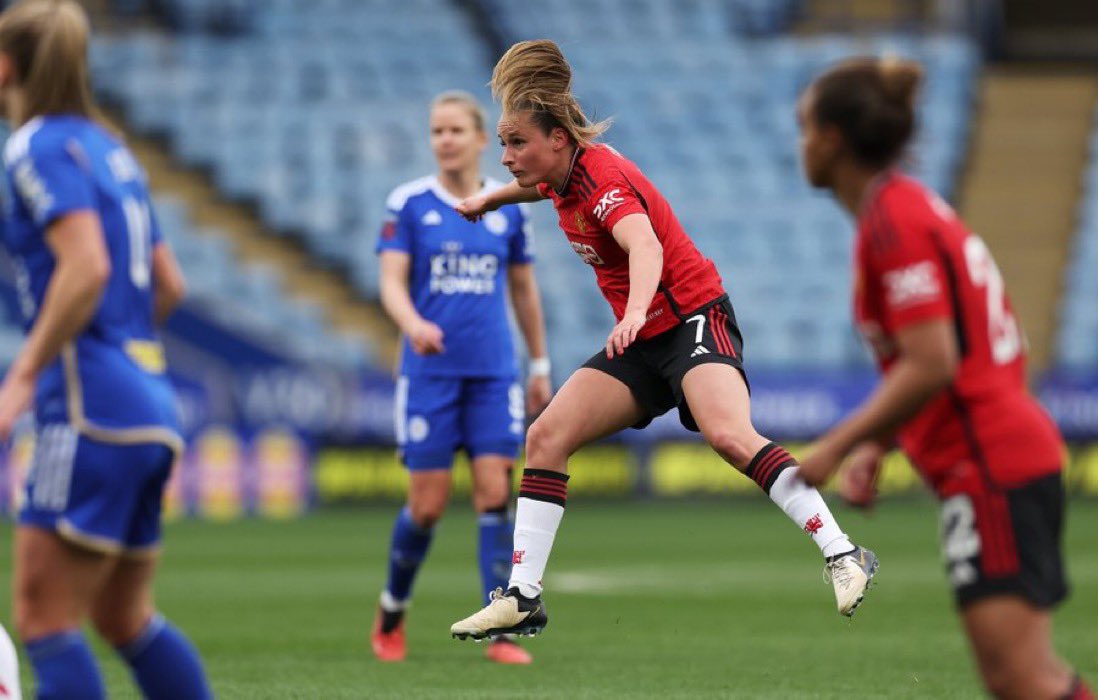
(125, 605)
(717, 396)
(54, 582)
(590, 405)
(1012, 642)
(428, 421)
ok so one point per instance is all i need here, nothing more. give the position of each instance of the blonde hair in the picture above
(47, 42)
(534, 77)
(466, 100)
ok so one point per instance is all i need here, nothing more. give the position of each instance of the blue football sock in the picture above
(64, 667)
(406, 552)
(165, 664)
(497, 531)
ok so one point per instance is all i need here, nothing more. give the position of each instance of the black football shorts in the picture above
(653, 368)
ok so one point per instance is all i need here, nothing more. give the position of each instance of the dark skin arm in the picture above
(928, 361)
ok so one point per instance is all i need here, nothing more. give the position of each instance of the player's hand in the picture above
(15, 397)
(538, 393)
(820, 463)
(858, 481)
(425, 338)
(472, 208)
(625, 332)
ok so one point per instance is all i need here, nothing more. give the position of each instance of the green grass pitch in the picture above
(646, 600)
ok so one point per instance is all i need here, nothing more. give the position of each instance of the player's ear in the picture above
(559, 138)
(7, 70)
(830, 138)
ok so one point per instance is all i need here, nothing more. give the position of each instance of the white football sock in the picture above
(805, 506)
(536, 524)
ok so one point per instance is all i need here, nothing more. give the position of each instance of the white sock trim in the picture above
(390, 604)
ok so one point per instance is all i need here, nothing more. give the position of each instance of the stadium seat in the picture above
(316, 133)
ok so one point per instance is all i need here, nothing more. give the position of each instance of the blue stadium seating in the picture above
(1077, 337)
(317, 109)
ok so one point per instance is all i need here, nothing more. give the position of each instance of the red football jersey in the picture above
(603, 187)
(915, 261)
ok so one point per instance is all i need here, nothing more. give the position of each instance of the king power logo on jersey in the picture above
(914, 284)
(608, 203)
(454, 273)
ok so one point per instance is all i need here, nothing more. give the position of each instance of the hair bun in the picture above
(900, 78)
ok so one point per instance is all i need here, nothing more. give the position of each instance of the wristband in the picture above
(539, 367)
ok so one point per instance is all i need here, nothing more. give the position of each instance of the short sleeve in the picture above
(521, 244)
(612, 199)
(909, 268)
(156, 235)
(395, 232)
(50, 182)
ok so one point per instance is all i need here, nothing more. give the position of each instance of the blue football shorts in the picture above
(436, 416)
(99, 496)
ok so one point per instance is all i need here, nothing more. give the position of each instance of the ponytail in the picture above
(534, 77)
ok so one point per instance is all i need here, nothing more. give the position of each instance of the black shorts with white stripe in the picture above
(653, 369)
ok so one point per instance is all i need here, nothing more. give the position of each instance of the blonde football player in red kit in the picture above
(931, 304)
(676, 343)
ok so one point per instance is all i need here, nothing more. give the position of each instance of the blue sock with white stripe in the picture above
(407, 551)
(496, 544)
(64, 667)
(165, 664)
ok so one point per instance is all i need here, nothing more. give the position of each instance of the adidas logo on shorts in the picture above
(700, 350)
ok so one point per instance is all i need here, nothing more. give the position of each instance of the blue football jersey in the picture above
(110, 381)
(458, 277)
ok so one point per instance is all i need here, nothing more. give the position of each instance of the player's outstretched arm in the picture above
(928, 360)
(169, 286)
(82, 269)
(526, 302)
(472, 208)
(424, 336)
(858, 481)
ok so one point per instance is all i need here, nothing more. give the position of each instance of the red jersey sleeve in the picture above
(902, 257)
(613, 198)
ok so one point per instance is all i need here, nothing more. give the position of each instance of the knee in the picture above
(35, 614)
(119, 628)
(735, 447)
(546, 448)
(997, 680)
(1006, 677)
(426, 512)
(493, 496)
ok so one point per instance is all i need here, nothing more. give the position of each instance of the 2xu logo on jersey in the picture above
(463, 273)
